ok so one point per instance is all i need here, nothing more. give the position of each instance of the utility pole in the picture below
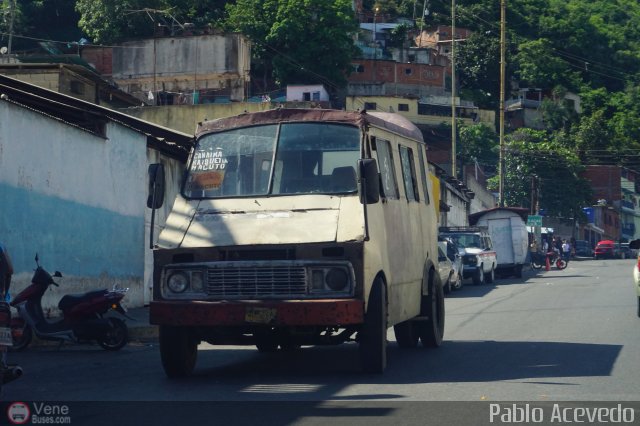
(453, 89)
(12, 6)
(502, 89)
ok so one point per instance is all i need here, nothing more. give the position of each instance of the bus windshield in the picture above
(275, 159)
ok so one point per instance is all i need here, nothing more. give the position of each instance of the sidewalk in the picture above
(139, 327)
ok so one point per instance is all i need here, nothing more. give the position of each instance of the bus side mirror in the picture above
(155, 198)
(369, 181)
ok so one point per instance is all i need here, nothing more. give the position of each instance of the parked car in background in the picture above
(635, 245)
(478, 258)
(583, 248)
(607, 249)
(625, 251)
(452, 252)
(445, 269)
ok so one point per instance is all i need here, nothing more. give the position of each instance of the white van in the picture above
(298, 227)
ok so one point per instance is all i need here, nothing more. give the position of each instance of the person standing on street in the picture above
(566, 250)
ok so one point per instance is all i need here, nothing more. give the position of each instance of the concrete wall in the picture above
(76, 199)
(370, 71)
(185, 118)
(184, 64)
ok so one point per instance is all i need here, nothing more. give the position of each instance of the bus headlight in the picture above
(329, 279)
(337, 279)
(178, 282)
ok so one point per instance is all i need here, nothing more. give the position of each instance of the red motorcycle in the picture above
(83, 315)
(538, 260)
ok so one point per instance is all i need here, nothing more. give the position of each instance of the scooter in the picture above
(83, 315)
(8, 372)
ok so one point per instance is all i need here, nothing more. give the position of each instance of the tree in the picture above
(302, 41)
(537, 153)
(114, 21)
(478, 69)
(477, 143)
(40, 20)
(538, 66)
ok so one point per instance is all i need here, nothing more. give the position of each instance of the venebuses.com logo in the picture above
(19, 413)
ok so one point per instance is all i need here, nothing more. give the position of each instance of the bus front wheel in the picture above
(373, 336)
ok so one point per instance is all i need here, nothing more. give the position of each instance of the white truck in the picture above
(507, 227)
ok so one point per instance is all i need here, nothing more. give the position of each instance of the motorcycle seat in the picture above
(71, 300)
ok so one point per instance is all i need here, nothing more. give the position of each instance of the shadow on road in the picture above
(453, 362)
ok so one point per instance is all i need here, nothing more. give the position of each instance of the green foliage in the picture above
(530, 153)
(39, 20)
(477, 143)
(304, 41)
(477, 69)
(118, 20)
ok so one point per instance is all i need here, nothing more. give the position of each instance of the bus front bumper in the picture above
(329, 312)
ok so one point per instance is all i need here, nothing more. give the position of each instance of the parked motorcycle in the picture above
(538, 260)
(83, 315)
(8, 372)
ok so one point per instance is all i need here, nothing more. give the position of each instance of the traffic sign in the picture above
(534, 220)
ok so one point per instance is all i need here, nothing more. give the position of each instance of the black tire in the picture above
(373, 335)
(478, 276)
(561, 264)
(491, 276)
(266, 342)
(22, 341)
(458, 284)
(447, 286)
(638, 306)
(116, 337)
(406, 335)
(431, 327)
(178, 351)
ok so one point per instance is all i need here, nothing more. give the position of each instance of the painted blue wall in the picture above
(73, 238)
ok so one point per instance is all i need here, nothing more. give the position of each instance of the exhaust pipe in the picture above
(11, 374)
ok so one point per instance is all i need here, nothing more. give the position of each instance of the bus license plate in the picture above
(260, 315)
(5, 336)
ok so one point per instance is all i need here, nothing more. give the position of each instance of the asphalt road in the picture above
(570, 335)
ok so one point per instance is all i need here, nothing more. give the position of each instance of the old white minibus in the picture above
(298, 227)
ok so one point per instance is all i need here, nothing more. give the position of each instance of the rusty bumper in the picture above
(329, 312)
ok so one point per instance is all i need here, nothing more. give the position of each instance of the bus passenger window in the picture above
(408, 173)
(387, 170)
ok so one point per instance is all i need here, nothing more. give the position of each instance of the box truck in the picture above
(508, 230)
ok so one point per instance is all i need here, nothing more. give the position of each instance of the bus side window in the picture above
(409, 173)
(387, 170)
(423, 174)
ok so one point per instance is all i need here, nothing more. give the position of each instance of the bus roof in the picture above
(393, 122)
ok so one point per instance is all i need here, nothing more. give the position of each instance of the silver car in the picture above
(450, 266)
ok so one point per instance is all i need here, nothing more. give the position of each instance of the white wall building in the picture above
(73, 188)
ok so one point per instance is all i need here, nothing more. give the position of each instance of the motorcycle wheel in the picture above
(116, 337)
(21, 334)
(536, 265)
(561, 264)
